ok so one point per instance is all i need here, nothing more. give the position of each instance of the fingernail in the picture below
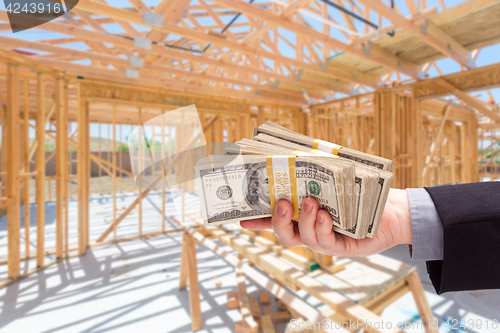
(281, 211)
(319, 219)
(306, 207)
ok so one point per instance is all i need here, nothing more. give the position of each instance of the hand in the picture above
(314, 228)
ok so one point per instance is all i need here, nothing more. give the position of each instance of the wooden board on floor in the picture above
(365, 278)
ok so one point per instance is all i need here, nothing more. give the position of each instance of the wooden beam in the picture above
(25, 61)
(4, 201)
(486, 77)
(351, 75)
(114, 168)
(388, 59)
(26, 166)
(40, 168)
(47, 119)
(13, 156)
(112, 75)
(174, 11)
(139, 5)
(294, 6)
(97, 159)
(86, 160)
(95, 46)
(101, 164)
(437, 140)
(61, 161)
(171, 11)
(83, 173)
(413, 18)
(67, 139)
(297, 259)
(347, 18)
(218, 21)
(194, 287)
(471, 101)
(411, 6)
(158, 49)
(184, 268)
(97, 27)
(423, 307)
(125, 63)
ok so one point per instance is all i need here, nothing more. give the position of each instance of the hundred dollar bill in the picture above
(283, 133)
(246, 187)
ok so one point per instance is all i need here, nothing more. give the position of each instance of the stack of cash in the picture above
(278, 164)
(283, 133)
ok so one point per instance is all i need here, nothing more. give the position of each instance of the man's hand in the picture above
(314, 228)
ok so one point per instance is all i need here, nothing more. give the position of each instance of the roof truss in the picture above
(290, 51)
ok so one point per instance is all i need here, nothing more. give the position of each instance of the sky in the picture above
(488, 55)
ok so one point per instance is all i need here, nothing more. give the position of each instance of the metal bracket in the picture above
(132, 73)
(153, 19)
(136, 62)
(142, 43)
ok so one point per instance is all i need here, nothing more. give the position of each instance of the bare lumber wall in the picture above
(36, 107)
(431, 142)
(116, 109)
(347, 122)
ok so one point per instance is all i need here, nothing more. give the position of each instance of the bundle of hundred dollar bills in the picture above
(278, 164)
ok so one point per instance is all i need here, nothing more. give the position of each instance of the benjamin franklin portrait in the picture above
(257, 189)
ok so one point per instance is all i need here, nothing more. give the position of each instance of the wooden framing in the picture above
(249, 323)
(61, 156)
(82, 102)
(13, 149)
(40, 168)
(189, 273)
(83, 174)
(247, 62)
(409, 131)
(341, 308)
(240, 81)
(116, 104)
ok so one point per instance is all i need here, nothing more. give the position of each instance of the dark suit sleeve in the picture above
(470, 214)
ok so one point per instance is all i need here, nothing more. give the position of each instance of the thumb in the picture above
(283, 225)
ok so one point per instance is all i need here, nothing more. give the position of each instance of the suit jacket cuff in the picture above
(426, 226)
(471, 219)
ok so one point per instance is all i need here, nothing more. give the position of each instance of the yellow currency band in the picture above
(326, 146)
(313, 152)
(281, 175)
(322, 153)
